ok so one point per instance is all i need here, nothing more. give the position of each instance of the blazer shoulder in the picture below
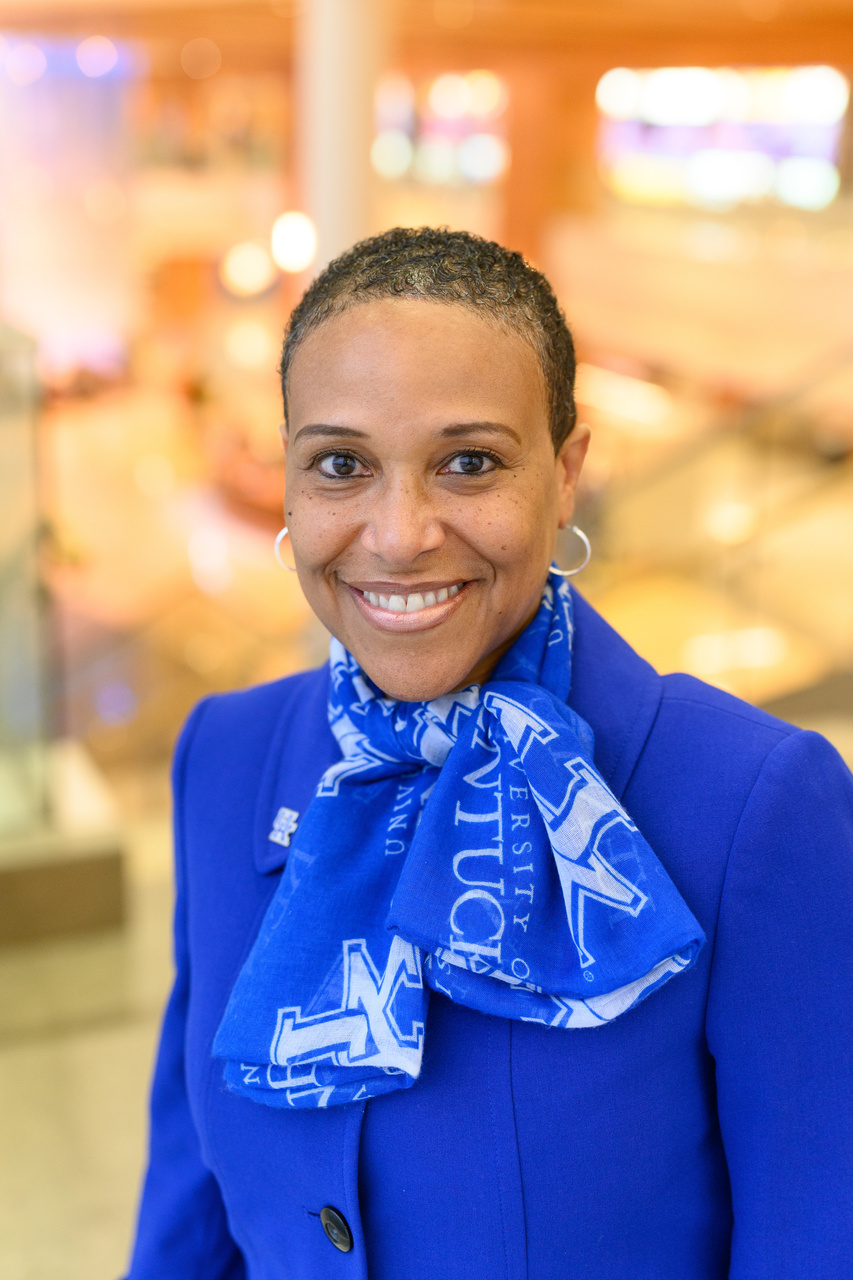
(679, 687)
(691, 709)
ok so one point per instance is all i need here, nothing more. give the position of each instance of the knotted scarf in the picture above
(467, 845)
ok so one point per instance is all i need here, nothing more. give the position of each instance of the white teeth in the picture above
(412, 603)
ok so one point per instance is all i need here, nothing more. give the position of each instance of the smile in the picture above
(414, 602)
(405, 610)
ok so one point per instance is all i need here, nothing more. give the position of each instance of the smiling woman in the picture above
(420, 462)
(444, 1003)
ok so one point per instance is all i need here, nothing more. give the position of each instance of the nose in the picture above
(402, 524)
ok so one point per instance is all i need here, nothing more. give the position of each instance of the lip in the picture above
(430, 616)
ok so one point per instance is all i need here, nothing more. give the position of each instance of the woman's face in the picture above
(423, 495)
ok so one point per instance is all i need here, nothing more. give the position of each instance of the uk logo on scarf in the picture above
(466, 845)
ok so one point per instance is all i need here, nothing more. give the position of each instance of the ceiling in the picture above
(259, 32)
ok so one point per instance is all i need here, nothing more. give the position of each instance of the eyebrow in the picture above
(452, 432)
(321, 429)
(490, 428)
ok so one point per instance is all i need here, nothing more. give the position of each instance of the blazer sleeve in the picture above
(780, 1018)
(182, 1230)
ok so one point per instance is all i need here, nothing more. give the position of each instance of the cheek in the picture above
(517, 524)
(319, 531)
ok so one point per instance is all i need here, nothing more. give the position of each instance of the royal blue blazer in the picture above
(707, 1133)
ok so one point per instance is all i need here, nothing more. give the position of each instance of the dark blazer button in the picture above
(336, 1228)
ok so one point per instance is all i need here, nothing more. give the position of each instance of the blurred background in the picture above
(172, 173)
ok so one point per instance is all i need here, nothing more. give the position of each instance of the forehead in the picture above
(440, 357)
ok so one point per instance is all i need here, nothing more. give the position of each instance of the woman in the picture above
(497, 954)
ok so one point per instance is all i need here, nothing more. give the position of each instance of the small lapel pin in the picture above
(285, 824)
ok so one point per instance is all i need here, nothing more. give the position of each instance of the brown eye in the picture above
(341, 465)
(471, 464)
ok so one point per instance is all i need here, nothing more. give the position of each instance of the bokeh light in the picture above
(816, 95)
(435, 160)
(806, 183)
(488, 94)
(449, 97)
(695, 96)
(391, 153)
(618, 94)
(25, 63)
(96, 56)
(730, 522)
(718, 138)
(645, 178)
(723, 178)
(247, 269)
(450, 132)
(200, 58)
(681, 96)
(483, 157)
(294, 241)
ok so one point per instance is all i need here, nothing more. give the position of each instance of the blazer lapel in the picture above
(301, 750)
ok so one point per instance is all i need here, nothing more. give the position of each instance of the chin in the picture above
(408, 684)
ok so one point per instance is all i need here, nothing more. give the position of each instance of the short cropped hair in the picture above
(457, 268)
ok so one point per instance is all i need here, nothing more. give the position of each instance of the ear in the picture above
(569, 461)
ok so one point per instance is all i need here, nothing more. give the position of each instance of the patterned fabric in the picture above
(466, 844)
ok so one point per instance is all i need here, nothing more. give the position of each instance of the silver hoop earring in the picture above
(280, 536)
(570, 573)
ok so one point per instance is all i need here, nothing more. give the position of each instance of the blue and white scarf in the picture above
(466, 844)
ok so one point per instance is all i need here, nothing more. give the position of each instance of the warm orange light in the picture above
(644, 403)
(250, 344)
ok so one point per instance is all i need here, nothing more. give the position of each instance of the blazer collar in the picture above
(615, 690)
